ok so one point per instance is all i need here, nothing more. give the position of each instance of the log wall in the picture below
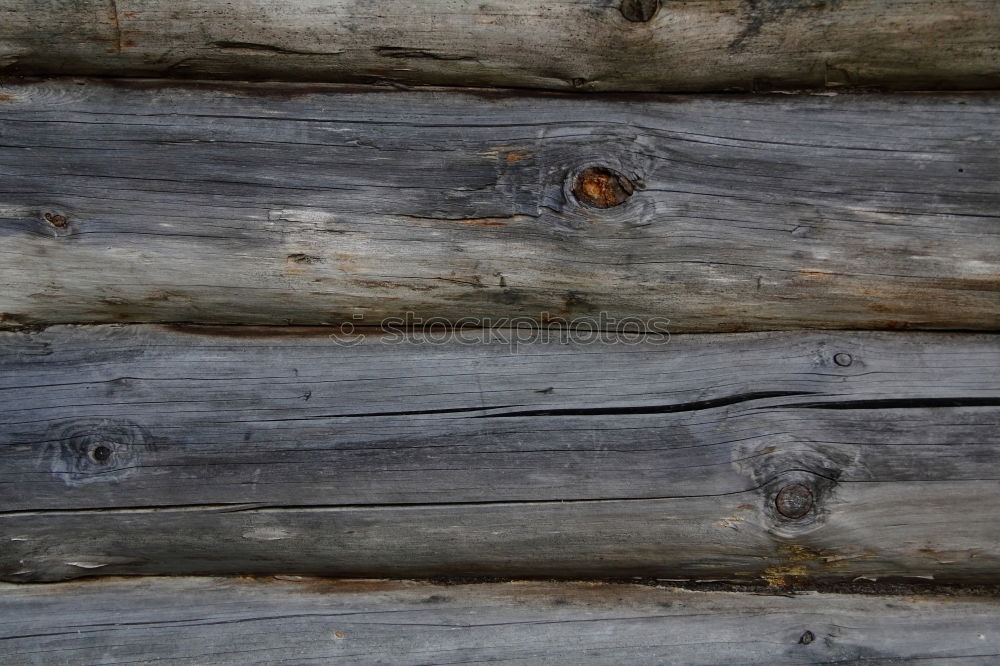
(473, 292)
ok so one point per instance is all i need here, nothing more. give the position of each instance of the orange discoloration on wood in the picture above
(600, 187)
(511, 154)
(483, 221)
(796, 560)
(517, 156)
(800, 562)
(817, 274)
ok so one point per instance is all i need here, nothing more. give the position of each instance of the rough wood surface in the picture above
(692, 45)
(276, 450)
(268, 204)
(220, 621)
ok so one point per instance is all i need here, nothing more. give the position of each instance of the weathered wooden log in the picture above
(226, 621)
(691, 45)
(267, 204)
(772, 456)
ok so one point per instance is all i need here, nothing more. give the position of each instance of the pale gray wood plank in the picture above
(132, 202)
(226, 621)
(276, 450)
(565, 44)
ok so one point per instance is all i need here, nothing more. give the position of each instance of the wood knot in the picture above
(600, 187)
(639, 11)
(794, 501)
(843, 359)
(98, 451)
(56, 220)
(101, 453)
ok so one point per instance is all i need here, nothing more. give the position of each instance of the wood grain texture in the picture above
(220, 621)
(689, 45)
(277, 450)
(267, 204)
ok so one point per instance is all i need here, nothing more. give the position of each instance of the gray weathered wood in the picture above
(307, 204)
(226, 621)
(564, 44)
(279, 450)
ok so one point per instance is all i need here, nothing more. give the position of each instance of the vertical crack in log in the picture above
(118, 28)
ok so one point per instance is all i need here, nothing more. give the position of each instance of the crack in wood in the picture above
(116, 22)
(253, 48)
(897, 403)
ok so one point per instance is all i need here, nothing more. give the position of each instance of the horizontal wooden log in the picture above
(152, 450)
(225, 621)
(694, 45)
(146, 202)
